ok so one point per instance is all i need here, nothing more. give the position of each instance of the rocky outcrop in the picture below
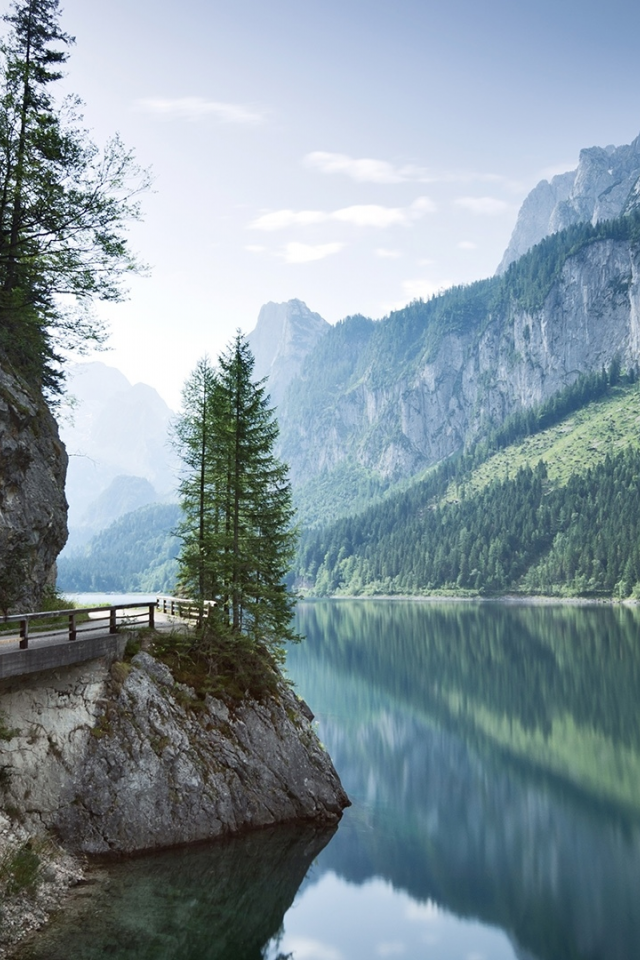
(33, 509)
(604, 185)
(283, 336)
(123, 759)
(408, 399)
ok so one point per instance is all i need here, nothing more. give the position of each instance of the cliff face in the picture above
(404, 399)
(604, 185)
(284, 334)
(134, 761)
(33, 509)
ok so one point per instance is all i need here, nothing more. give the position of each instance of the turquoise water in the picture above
(492, 753)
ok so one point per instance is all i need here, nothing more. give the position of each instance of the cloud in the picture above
(482, 206)
(370, 170)
(255, 248)
(359, 215)
(306, 252)
(467, 245)
(364, 170)
(385, 254)
(197, 108)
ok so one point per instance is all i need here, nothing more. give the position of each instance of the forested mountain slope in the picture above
(555, 512)
(136, 553)
(379, 402)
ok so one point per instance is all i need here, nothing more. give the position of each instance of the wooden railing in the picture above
(110, 614)
(193, 610)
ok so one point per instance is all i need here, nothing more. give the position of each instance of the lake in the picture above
(492, 754)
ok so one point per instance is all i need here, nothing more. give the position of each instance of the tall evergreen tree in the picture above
(192, 434)
(63, 203)
(238, 539)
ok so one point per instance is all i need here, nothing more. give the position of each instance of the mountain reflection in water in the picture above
(492, 753)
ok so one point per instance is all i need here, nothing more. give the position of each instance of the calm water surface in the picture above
(492, 754)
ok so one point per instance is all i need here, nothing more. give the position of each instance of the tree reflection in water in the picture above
(493, 755)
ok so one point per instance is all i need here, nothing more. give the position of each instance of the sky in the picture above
(354, 154)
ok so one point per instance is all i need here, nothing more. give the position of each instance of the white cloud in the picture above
(359, 215)
(370, 170)
(196, 108)
(304, 948)
(254, 248)
(364, 170)
(482, 206)
(306, 252)
(467, 245)
(385, 254)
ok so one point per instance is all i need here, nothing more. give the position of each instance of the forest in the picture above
(519, 533)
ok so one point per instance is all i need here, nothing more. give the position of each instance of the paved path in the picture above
(50, 649)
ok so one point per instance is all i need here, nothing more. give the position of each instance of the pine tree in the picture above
(238, 539)
(63, 203)
(192, 436)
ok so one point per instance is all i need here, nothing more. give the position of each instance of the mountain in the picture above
(604, 185)
(376, 403)
(117, 438)
(546, 504)
(135, 553)
(283, 336)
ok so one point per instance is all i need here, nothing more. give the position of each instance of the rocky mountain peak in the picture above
(283, 336)
(605, 184)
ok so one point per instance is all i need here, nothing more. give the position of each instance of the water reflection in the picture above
(494, 751)
(222, 901)
(493, 756)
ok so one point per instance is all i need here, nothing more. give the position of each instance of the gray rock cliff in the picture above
(33, 509)
(401, 399)
(605, 184)
(122, 759)
(283, 336)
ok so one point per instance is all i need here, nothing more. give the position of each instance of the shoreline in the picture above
(507, 599)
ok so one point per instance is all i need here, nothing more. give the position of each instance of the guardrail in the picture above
(110, 614)
(184, 608)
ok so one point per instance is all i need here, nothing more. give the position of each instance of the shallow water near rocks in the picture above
(492, 754)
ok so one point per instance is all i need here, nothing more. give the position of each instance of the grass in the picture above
(226, 666)
(20, 870)
(581, 441)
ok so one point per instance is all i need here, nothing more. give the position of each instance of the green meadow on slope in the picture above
(554, 512)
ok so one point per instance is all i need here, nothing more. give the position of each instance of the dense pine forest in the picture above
(515, 533)
(136, 553)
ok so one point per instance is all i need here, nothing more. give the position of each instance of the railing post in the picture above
(113, 627)
(152, 609)
(72, 626)
(24, 634)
